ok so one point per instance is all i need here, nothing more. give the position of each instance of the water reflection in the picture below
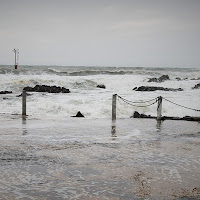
(113, 129)
(24, 129)
(159, 125)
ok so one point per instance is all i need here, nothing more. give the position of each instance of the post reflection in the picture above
(24, 129)
(159, 125)
(113, 129)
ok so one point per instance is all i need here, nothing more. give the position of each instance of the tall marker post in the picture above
(16, 51)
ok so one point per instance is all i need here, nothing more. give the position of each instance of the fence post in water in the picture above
(24, 103)
(114, 101)
(159, 109)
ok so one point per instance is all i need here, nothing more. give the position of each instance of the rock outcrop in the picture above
(101, 86)
(5, 92)
(138, 115)
(186, 118)
(154, 88)
(160, 79)
(197, 86)
(46, 88)
(79, 114)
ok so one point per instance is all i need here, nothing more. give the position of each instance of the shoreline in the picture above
(83, 159)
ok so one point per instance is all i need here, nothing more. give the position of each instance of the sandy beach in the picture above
(86, 159)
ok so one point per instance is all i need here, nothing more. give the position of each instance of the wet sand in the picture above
(86, 159)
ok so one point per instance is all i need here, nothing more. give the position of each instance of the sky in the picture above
(134, 33)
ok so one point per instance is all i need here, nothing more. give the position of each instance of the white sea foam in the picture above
(94, 102)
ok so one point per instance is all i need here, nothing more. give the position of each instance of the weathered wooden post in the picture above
(114, 102)
(24, 103)
(159, 109)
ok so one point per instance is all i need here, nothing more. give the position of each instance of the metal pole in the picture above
(114, 101)
(15, 51)
(24, 103)
(159, 109)
(15, 56)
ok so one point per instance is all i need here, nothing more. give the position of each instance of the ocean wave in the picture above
(98, 72)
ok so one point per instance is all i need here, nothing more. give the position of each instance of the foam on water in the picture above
(94, 102)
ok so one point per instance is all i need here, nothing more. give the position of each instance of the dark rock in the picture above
(153, 88)
(197, 86)
(29, 89)
(195, 79)
(186, 118)
(163, 78)
(135, 88)
(138, 115)
(64, 90)
(153, 80)
(79, 114)
(46, 88)
(160, 79)
(5, 92)
(101, 86)
(178, 79)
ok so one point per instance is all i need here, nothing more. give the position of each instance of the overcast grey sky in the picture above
(155, 33)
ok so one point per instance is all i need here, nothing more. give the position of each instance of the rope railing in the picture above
(153, 101)
(181, 105)
(137, 101)
(132, 103)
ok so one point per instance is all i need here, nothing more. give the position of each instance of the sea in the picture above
(94, 102)
(49, 154)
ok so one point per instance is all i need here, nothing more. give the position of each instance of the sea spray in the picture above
(92, 101)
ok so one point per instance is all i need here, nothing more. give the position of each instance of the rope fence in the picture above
(132, 103)
(181, 105)
(150, 103)
(147, 103)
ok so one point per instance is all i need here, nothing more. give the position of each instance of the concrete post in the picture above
(24, 103)
(159, 109)
(114, 102)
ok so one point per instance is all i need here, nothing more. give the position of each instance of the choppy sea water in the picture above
(95, 102)
(50, 155)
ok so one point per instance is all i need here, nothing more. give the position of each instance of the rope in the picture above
(136, 101)
(132, 103)
(181, 105)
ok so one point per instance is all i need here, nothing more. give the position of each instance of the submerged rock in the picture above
(186, 118)
(138, 115)
(79, 114)
(46, 88)
(5, 92)
(178, 79)
(135, 88)
(101, 86)
(153, 88)
(197, 86)
(160, 79)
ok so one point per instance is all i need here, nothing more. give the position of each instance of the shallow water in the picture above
(87, 159)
